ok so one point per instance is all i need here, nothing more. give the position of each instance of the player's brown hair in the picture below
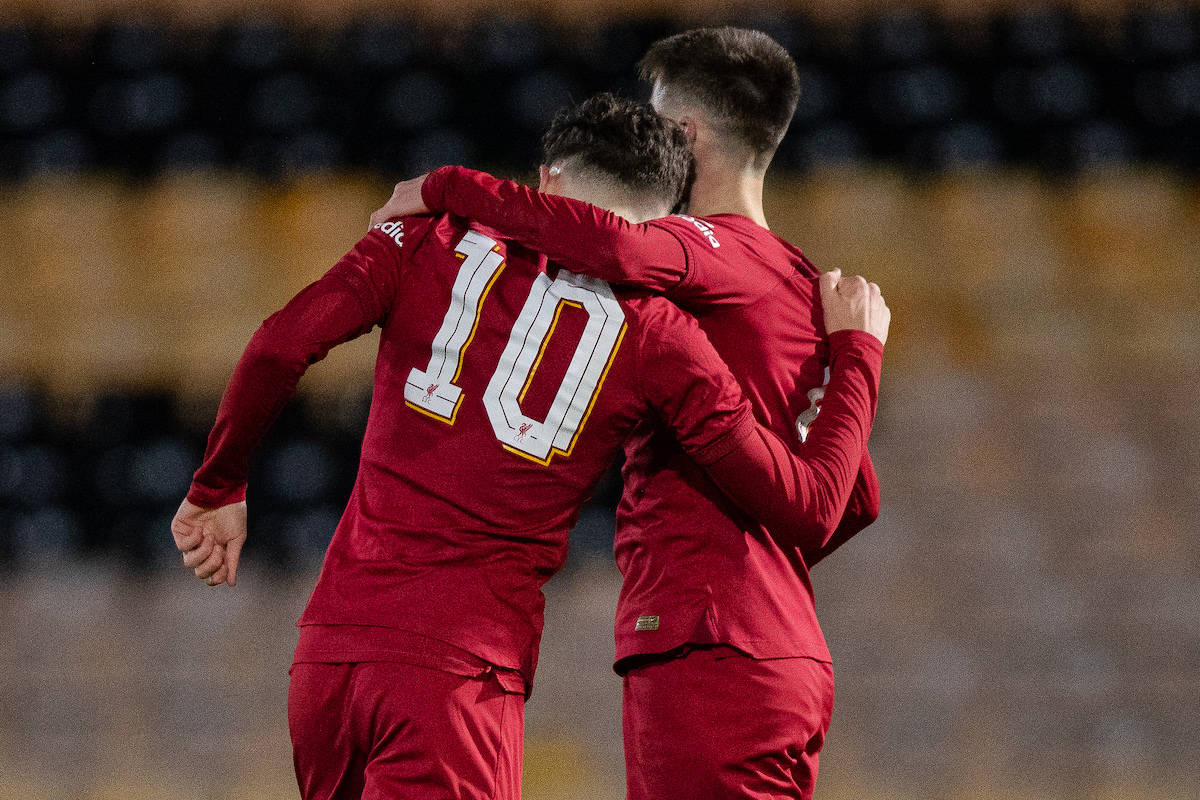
(744, 78)
(625, 140)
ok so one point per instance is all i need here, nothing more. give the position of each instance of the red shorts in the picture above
(388, 730)
(715, 724)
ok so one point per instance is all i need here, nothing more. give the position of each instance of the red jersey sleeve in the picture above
(801, 498)
(580, 236)
(690, 388)
(861, 510)
(668, 256)
(345, 303)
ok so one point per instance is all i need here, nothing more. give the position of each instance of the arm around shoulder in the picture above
(801, 495)
(582, 237)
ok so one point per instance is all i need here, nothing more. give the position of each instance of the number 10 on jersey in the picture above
(433, 391)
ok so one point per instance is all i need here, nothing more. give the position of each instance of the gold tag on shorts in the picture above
(647, 623)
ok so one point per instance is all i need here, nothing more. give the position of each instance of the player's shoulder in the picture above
(764, 242)
(403, 233)
(735, 239)
(691, 230)
(439, 232)
(655, 317)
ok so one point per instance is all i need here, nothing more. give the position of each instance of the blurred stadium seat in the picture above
(1022, 622)
(1046, 88)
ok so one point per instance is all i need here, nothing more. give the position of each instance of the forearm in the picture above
(801, 497)
(261, 385)
(582, 237)
(862, 510)
(325, 314)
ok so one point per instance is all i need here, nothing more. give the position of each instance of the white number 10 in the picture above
(433, 391)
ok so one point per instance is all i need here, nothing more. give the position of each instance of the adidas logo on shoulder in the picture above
(394, 229)
(704, 228)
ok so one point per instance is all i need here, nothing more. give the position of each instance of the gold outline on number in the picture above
(432, 415)
(545, 462)
(462, 352)
(545, 341)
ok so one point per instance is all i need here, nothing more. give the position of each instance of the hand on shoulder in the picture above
(851, 303)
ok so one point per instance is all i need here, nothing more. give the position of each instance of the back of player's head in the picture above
(744, 79)
(624, 142)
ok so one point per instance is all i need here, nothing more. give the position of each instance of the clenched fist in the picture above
(211, 540)
(853, 304)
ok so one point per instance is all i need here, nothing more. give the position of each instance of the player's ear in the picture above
(551, 179)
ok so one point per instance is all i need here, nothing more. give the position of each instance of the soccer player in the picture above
(504, 386)
(741, 621)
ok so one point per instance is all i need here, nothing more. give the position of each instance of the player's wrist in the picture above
(215, 497)
(849, 338)
(851, 343)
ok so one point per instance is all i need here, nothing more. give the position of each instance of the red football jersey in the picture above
(757, 299)
(503, 389)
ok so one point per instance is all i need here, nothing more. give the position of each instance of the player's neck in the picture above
(580, 184)
(724, 188)
(614, 201)
(631, 213)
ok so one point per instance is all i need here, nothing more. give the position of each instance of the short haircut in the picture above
(744, 78)
(624, 141)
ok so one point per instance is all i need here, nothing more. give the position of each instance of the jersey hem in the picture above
(759, 649)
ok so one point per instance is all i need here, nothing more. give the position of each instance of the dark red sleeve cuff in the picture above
(716, 450)
(433, 190)
(859, 343)
(688, 278)
(208, 497)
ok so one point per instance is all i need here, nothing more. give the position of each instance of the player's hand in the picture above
(853, 304)
(211, 540)
(406, 199)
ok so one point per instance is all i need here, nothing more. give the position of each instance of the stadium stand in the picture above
(1045, 88)
(1022, 622)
